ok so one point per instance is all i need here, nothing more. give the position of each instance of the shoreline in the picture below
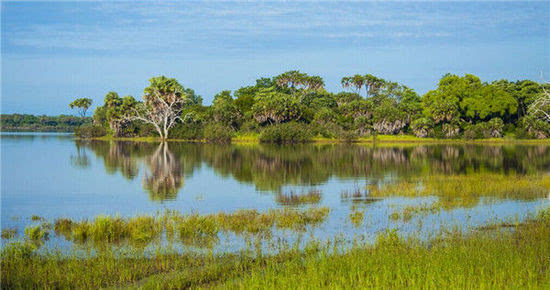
(380, 139)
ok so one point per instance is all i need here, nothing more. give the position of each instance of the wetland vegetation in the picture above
(177, 214)
(501, 259)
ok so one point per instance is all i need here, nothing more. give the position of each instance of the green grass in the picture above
(408, 212)
(356, 217)
(464, 190)
(293, 198)
(8, 233)
(191, 229)
(516, 259)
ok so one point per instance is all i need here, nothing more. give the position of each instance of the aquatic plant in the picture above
(294, 198)
(36, 218)
(189, 228)
(515, 259)
(36, 233)
(63, 226)
(8, 233)
(465, 190)
(409, 211)
(356, 217)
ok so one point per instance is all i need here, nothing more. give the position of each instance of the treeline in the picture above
(26, 122)
(295, 107)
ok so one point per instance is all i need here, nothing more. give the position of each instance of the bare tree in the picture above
(540, 108)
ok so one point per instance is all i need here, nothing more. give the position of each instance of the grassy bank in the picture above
(382, 139)
(501, 258)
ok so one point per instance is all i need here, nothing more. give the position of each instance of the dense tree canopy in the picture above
(460, 106)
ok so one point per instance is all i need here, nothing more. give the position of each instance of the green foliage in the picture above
(489, 101)
(225, 111)
(491, 129)
(187, 131)
(291, 132)
(90, 131)
(82, 104)
(459, 106)
(25, 122)
(530, 127)
(272, 106)
(218, 133)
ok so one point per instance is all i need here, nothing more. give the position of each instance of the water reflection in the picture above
(165, 177)
(81, 158)
(271, 168)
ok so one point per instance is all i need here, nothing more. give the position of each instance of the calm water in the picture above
(53, 175)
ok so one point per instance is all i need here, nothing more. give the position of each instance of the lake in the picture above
(411, 188)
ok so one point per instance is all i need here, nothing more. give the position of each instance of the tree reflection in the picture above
(270, 168)
(81, 158)
(165, 177)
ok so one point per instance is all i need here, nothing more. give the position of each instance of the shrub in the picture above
(90, 131)
(218, 133)
(532, 128)
(422, 127)
(291, 132)
(492, 129)
(188, 131)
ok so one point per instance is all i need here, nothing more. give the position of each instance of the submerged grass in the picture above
(293, 198)
(503, 259)
(8, 233)
(408, 212)
(465, 190)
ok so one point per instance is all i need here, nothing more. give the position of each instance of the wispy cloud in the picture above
(145, 26)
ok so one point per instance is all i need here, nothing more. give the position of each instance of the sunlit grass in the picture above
(189, 228)
(465, 190)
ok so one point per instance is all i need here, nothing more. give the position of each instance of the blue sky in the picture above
(55, 52)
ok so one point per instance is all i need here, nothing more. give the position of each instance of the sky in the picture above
(54, 52)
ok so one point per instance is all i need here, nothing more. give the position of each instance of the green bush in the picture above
(90, 131)
(218, 133)
(492, 129)
(530, 127)
(188, 131)
(291, 132)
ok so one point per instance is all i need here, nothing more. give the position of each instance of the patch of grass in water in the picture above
(408, 212)
(294, 198)
(8, 233)
(465, 190)
(192, 229)
(36, 218)
(37, 233)
(515, 259)
(356, 217)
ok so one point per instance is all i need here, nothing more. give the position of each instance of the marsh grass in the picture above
(37, 218)
(514, 259)
(191, 229)
(37, 233)
(408, 212)
(8, 233)
(356, 217)
(465, 190)
(293, 198)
